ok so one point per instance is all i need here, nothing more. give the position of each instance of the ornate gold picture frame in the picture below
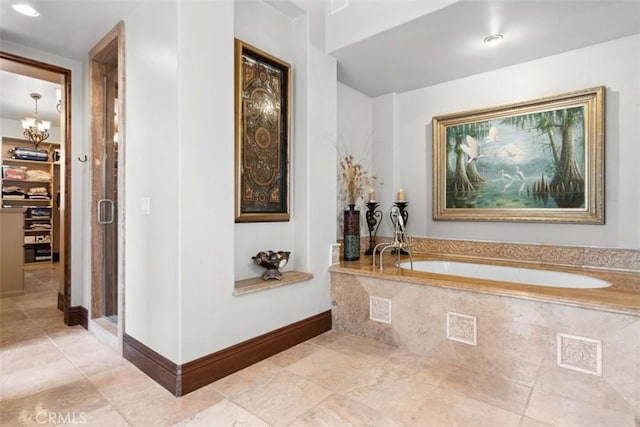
(532, 161)
(262, 122)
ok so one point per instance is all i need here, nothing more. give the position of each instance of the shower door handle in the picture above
(102, 208)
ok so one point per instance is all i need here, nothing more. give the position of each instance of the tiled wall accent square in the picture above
(462, 328)
(580, 354)
(380, 309)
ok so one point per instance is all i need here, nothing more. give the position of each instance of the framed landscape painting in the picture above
(262, 120)
(539, 160)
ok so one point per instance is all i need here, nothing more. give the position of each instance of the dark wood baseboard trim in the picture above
(78, 315)
(183, 379)
(60, 302)
(159, 368)
(207, 369)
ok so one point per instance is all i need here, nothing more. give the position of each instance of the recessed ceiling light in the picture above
(25, 9)
(493, 38)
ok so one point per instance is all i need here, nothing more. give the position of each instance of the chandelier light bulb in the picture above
(35, 130)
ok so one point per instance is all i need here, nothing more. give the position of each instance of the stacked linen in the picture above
(37, 175)
(12, 193)
(38, 193)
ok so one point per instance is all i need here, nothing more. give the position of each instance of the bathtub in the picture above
(525, 276)
(528, 336)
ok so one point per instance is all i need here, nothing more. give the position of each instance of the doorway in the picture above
(60, 215)
(106, 76)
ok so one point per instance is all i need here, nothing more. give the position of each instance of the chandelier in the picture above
(35, 130)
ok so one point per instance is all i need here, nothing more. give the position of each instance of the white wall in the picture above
(385, 156)
(614, 64)
(354, 138)
(152, 168)
(183, 259)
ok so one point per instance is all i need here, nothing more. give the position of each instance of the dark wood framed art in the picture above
(533, 161)
(262, 134)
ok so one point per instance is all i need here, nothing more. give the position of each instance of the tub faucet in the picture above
(401, 240)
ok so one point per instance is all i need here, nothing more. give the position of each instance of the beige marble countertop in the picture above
(623, 296)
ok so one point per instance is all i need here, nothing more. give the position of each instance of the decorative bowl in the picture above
(272, 261)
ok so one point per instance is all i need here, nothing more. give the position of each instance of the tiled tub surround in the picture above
(560, 354)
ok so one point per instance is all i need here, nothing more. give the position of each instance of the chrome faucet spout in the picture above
(401, 240)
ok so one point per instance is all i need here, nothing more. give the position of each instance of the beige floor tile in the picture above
(559, 410)
(92, 356)
(340, 410)
(433, 370)
(447, 409)
(122, 382)
(282, 399)
(55, 405)
(590, 389)
(23, 382)
(206, 394)
(224, 413)
(70, 336)
(530, 422)
(353, 345)
(492, 390)
(327, 337)
(16, 334)
(395, 394)
(337, 371)
(30, 354)
(155, 406)
(106, 416)
(293, 354)
(247, 378)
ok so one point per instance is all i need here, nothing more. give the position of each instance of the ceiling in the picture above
(55, 31)
(435, 48)
(16, 102)
(448, 44)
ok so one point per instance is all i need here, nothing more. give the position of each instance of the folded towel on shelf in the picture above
(12, 192)
(38, 193)
(37, 175)
(40, 212)
(40, 226)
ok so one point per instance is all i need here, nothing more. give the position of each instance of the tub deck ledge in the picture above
(623, 296)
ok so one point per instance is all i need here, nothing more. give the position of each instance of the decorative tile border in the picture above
(580, 354)
(462, 328)
(380, 309)
(575, 256)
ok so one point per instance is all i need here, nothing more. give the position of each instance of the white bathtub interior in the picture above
(525, 276)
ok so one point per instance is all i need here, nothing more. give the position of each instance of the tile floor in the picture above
(57, 375)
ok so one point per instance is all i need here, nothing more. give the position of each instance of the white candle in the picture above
(400, 196)
(372, 195)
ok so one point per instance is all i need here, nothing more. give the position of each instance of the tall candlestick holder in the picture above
(374, 218)
(404, 214)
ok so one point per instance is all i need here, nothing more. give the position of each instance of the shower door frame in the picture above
(106, 56)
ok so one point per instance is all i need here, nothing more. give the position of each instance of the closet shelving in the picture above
(29, 185)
